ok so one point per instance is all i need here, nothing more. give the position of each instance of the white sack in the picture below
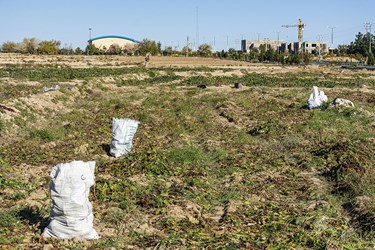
(53, 88)
(123, 131)
(316, 98)
(341, 102)
(71, 212)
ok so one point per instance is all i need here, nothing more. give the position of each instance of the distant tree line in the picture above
(263, 54)
(359, 49)
(34, 46)
(53, 47)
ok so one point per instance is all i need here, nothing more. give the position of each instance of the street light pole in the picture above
(369, 49)
(88, 47)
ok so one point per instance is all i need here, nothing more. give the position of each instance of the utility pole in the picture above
(320, 37)
(187, 46)
(227, 43)
(88, 50)
(214, 45)
(197, 38)
(370, 36)
(367, 28)
(370, 40)
(332, 35)
(278, 37)
(278, 42)
(259, 36)
(266, 39)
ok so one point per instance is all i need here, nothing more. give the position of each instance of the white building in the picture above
(105, 42)
(248, 45)
(306, 47)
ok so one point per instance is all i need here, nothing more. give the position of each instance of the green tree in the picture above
(361, 45)
(149, 46)
(270, 54)
(91, 49)
(78, 51)
(49, 47)
(294, 58)
(306, 58)
(254, 54)
(342, 50)
(66, 50)
(204, 50)
(168, 51)
(262, 52)
(233, 54)
(223, 54)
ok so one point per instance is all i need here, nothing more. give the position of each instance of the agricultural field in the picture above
(213, 168)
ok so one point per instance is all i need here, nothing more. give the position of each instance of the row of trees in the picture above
(359, 48)
(32, 46)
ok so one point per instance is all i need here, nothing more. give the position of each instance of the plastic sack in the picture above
(53, 88)
(71, 212)
(316, 98)
(123, 131)
(341, 102)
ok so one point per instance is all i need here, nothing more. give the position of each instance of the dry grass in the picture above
(229, 168)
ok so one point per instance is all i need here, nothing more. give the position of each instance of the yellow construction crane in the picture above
(300, 26)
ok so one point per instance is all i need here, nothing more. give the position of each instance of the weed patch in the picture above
(279, 176)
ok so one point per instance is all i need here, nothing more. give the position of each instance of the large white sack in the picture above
(71, 212)
(123, 131)
(316, 98)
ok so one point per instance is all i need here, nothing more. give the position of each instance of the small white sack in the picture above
(123, 131)
(71, 212)
(316, 98)
(341, 102)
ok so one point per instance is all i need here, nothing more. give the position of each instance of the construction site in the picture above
(309, 47)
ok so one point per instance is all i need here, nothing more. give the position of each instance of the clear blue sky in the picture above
(171, 21)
